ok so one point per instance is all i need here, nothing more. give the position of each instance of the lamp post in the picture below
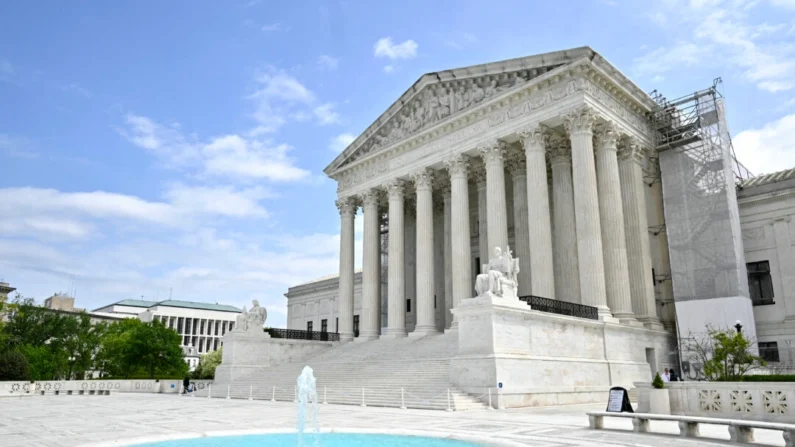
(738, 326)
(71, 363)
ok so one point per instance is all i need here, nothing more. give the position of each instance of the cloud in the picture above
(389, 69)
(664, 59)
(282, 86)
(16, 147)
(234, 156)
(275, 27)
(222, 201)
(340, 142)
(326, 115)
(386, 48)
(769, 148)
(45, 227)
(328, 62)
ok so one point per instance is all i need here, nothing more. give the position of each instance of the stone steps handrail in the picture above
(740, 431)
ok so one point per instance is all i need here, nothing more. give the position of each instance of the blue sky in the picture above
(153, 146)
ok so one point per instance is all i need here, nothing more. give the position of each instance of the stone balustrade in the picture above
(98, 386)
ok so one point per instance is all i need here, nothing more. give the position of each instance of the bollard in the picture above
(363, 397)
(448, 400)
(273, 396)
(251, 392)
(490, 407)
(227, 391)
(209, 391)
(402, 400)
(324, 396)
(295, 393)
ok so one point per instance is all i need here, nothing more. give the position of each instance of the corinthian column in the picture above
(370, 319)
(492, 154)
(448, 253)
(539, 236)
(518, 169)
(426, 321)
(347, 207)
(636, 227)
(567, 272)
(396, 281)
(479, 176)
(458, 166)
(612, 214)
(579, 125)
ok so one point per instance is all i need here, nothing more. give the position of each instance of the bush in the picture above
(658, 383)
(14, 366)
(770, 378)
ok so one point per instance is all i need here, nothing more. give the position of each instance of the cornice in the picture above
(762, 199)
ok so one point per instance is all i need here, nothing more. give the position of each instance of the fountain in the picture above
(307, 390)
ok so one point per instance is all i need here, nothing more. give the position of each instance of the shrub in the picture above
(770, 378)
(658, 383)
(14, 366)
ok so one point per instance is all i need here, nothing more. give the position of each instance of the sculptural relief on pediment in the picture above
(437, 102)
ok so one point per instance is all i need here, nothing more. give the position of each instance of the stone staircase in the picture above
(403, 372)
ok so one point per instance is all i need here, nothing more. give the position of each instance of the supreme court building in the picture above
(613, 200)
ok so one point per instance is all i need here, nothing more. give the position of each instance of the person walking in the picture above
(185, 384)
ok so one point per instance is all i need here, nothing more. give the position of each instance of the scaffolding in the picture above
(699, 171)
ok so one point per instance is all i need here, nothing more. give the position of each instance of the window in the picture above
(760, 284)
(408, 305)
(309, 326)
(355, 325)
(324, 326)
(769, 351)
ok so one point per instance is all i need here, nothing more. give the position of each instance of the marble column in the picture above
(448, 253)
(539, 236)
(458, 166)
(396, 281)
(579, 125)
(370, 316)
(347, 207)
(517, 166)
(426, 321)
(786, 263)
(567, 272)
(614, 244)
(479, 176)
(633, 196)
(493, 153)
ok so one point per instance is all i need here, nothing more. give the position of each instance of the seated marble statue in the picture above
(499, 276)
(251, 320)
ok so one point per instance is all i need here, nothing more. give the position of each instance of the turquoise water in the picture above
(325, 440)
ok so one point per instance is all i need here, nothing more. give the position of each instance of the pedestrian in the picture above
(185, 384)
(673, 376)
(666, 376)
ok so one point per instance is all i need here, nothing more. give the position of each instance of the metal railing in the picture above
(297, 334)
(560, 307)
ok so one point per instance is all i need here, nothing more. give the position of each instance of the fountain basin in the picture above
(324, 440)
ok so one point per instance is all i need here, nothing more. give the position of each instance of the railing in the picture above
(560, 307)
(297, 334)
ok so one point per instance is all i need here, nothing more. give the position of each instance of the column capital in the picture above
(629, 149)
(580, 120)
(395, 189)
(534, 138)
(423, 179)
(492, 151)
(371, 197)
(606, 136)
(559, 149)
(457, 165)
(347, 206)
(516, 163)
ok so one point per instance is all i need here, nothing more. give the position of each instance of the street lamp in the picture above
(71, 363)
(738, 326)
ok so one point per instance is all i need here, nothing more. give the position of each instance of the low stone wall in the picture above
(95, 386)
(548, 359)
(758, 401)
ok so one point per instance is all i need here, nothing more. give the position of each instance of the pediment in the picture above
(435, 97)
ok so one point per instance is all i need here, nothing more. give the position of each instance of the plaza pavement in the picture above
(81, 420)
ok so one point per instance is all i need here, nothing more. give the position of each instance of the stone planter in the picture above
(659, 402)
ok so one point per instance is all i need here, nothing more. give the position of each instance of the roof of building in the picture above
(323, 278)
(175, 303)
(766, 179)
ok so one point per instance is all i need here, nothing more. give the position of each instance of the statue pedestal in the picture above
(245, 353)
(490, 325)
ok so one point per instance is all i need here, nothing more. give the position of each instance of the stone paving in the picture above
(84, 420)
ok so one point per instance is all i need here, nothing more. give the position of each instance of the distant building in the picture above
(5, 289)
(61, 301)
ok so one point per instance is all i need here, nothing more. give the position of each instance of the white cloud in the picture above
(328, 62)
(326, 115)
(233, 156)
(275, 27)
(165, 142)
(222, 201)
(282, 86)
(663, 59)
(43, 227)
(769, 148)
(386, 48)
(340, 142)
(389, 69)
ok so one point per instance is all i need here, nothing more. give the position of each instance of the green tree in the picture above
(14, 366)
(131, 348)
(726, 355)
(207, 365)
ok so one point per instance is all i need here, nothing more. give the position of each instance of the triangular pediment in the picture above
(437, 96)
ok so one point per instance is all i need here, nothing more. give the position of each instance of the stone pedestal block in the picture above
(491, 325)
(244, 353)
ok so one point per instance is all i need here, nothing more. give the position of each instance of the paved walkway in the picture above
(79, 420)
